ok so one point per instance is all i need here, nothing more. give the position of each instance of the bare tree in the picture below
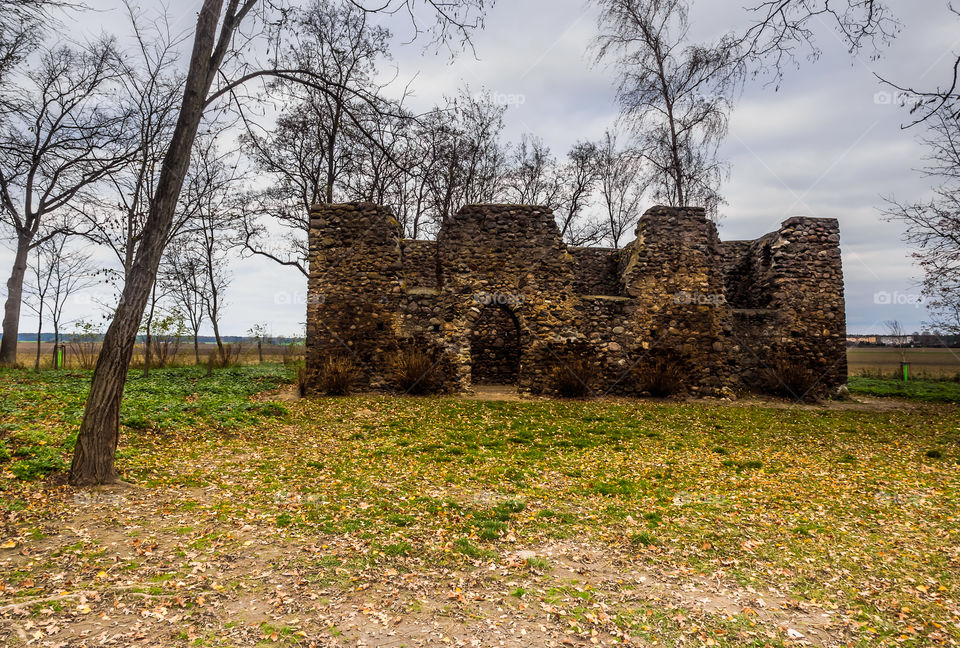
(532, 178)
(261, 333)
(577, 180)
(151, 86)
(35, 295)
(211, 183)
(182, 271)
(60, 136)
(468, 159)
(783, 30)
(675, 96)
(621, 187)
(933, 226)
(221, 53)
(312, 144)
(58, 274)
(21, 31)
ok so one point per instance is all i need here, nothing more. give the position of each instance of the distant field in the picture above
(924, 363)
(27, 354)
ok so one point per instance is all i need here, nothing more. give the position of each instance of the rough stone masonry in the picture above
(499, 298)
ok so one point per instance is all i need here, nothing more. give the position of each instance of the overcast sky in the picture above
(829, 143)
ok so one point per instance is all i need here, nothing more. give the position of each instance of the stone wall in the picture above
(498, 297)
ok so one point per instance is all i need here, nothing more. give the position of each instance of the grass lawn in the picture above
(441, 521)
(930, 391)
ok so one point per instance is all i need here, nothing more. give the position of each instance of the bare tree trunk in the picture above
(11, 309)
(216, 334)
(196, 347)
(96, 449)
(148, 341)
(146, 352)
(260, 349)
(36, 363)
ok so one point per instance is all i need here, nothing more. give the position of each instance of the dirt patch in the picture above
(136, 567)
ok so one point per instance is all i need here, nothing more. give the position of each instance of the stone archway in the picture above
(495, 346)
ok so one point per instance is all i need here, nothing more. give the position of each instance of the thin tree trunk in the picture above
(146, 352)
(196, 347)
(260, 349)
(36, 363)
(11, 309)
(216, 334)
(95, 453)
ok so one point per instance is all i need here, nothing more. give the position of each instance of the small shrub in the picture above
(661, 377)
(303, 380)
(793, 379)
(284, 520)
(572, 379)
(335, 377)
(413, 371)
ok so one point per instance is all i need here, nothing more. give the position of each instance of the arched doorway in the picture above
(495, 346)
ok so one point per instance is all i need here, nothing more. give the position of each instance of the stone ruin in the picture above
(498, 298)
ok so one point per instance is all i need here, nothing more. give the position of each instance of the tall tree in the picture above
(933, 226)
(621, 187)
(311, 146)
(221, 52)
(578, 179)
(675, 96)
(212, 183)
(62, 134)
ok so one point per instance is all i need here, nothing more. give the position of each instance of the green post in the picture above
(60, 357)
(905, 370)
